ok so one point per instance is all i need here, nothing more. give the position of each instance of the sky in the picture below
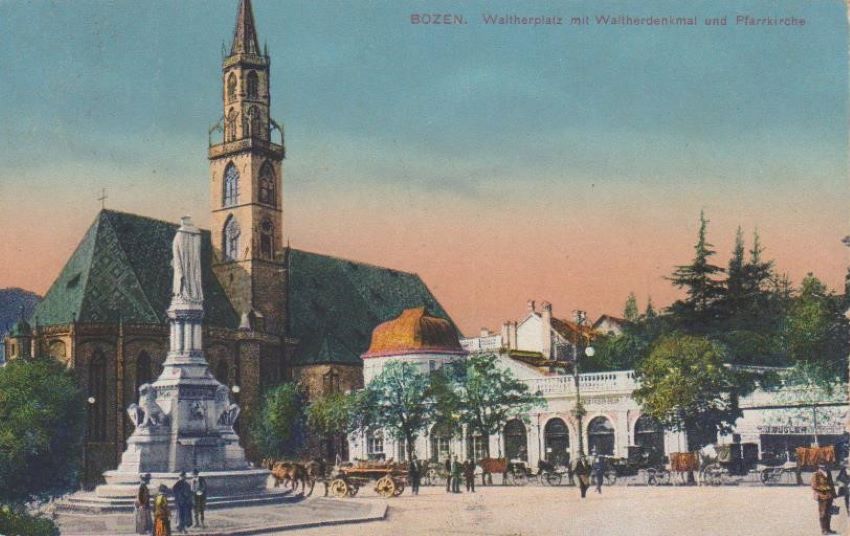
(502, 163)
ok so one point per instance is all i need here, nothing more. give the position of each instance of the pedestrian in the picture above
(183, 499)
(569, 467)
(844, 488)
(161, 513)
(448, 474)
(824, 492)
(469, 475)
(199, 494)
(415, 473)
(144, 523)
(582, 473)
(457, 471)
(599, 472)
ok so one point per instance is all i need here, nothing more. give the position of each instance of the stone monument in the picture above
(184, 420)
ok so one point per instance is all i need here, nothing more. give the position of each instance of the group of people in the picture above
(189, 497)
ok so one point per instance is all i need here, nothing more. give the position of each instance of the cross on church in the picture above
(103, 197)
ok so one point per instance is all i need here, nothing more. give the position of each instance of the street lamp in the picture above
(235, 389)
(581, 318)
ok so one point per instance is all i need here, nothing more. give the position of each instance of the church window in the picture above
(267, 239)
(253, 122)
(143, 370)
(231, 87)
(231, 239)
(230, 125)
(267, 189)
(231, 185)
(253, 85)
(97, 397)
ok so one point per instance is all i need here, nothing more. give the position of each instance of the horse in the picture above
(289, 473)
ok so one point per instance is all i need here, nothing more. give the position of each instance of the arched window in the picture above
(516, 442)
(557, 441)
(649, 434)
(253, 85)
(231, 239)
(253, 122)
(97, 397)
(267, 239)
(600, 437)
(230, 125)
(267, 185)
(441, 441)
(231, 186)
(143, 370)
(231, 87)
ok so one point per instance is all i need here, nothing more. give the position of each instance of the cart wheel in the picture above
(385, 487)
(520, 478)
(651, 477)
(339, 488)
(553, 479)
(766, 477)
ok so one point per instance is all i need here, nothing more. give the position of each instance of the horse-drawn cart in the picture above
(390, 480)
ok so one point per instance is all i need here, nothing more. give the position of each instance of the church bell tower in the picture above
(246, 177)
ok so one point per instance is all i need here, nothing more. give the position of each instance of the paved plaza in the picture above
(620, 510)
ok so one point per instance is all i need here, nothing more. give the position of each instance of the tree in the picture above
(329, 418)
(42, 420)
(699, 280)
(650, 313)
(486, 396)
(279, 428)
(616, 352)
(398, 401)
(685, 386)
(630, 311)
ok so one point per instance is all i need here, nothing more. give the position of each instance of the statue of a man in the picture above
(186, 249)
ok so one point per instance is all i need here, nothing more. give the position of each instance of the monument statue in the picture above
(186, 250)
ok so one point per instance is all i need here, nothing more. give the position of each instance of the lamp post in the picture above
(581, 317)
(90, 400)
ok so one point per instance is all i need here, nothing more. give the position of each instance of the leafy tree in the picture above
(398, 401)
(699, 280)
(617, 352)
(685, 386)
(279, 428)
(486, 396)
(329, 417)
(630, 311)
(16, 521)
(42, 420)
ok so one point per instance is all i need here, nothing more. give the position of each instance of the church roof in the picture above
(336, 303)
(245, 33)
(415, 330)
(122, 268)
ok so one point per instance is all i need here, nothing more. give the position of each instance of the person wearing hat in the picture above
(144, 523)
(183, 499)
(161, 513)
(199, 493)
(823, 489)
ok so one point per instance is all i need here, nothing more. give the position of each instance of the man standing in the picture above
(415, 473)
(824, 491)
(582, 472)
(448, 474)
(183, 499)
(469, 475)
(599, 472)
(457, 471)
(199, 493)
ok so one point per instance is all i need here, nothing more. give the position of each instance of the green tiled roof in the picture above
(335, 304)
(122, 268)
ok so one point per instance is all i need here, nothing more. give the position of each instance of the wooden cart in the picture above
(390, 480)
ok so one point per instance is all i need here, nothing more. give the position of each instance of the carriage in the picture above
(549, 473)
(730, 461)
(514, 472)
(644, 463)
(390, 479)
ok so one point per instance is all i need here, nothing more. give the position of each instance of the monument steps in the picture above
(89, 503)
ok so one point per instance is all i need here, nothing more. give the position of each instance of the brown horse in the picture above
(294, 473)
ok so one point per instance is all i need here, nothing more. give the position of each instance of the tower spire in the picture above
(245, 34)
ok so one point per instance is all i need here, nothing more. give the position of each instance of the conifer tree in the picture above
(630, 311)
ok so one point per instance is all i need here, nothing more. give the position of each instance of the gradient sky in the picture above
(500, 163)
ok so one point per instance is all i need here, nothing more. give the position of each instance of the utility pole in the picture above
(581, 316)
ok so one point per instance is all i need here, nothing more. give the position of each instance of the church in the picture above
(273, 313)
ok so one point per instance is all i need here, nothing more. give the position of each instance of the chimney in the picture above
(506, 330)
(512, 344)
(546, 329)
(531, 308)
(485, 332)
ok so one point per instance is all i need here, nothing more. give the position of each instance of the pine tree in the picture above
(650, 310)
(757, 272)
(699, 279)
(735, 293)
(630, 312)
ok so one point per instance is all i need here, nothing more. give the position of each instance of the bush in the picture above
(19, 523)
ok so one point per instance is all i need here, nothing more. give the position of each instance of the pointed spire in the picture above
(245, 35)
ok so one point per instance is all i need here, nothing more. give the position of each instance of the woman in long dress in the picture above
(161, 513)
(144, 523)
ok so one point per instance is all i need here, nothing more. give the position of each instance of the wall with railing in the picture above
(592, 382)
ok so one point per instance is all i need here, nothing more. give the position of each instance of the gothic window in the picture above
(230, 125)
(253, 122)
(267, 182)
(231, 185)
(231, 239)
(97, 397)
(143, 371)
(253, 85)
(231, 87)
(330, 382)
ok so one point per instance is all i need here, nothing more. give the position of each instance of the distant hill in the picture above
(11, 300)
